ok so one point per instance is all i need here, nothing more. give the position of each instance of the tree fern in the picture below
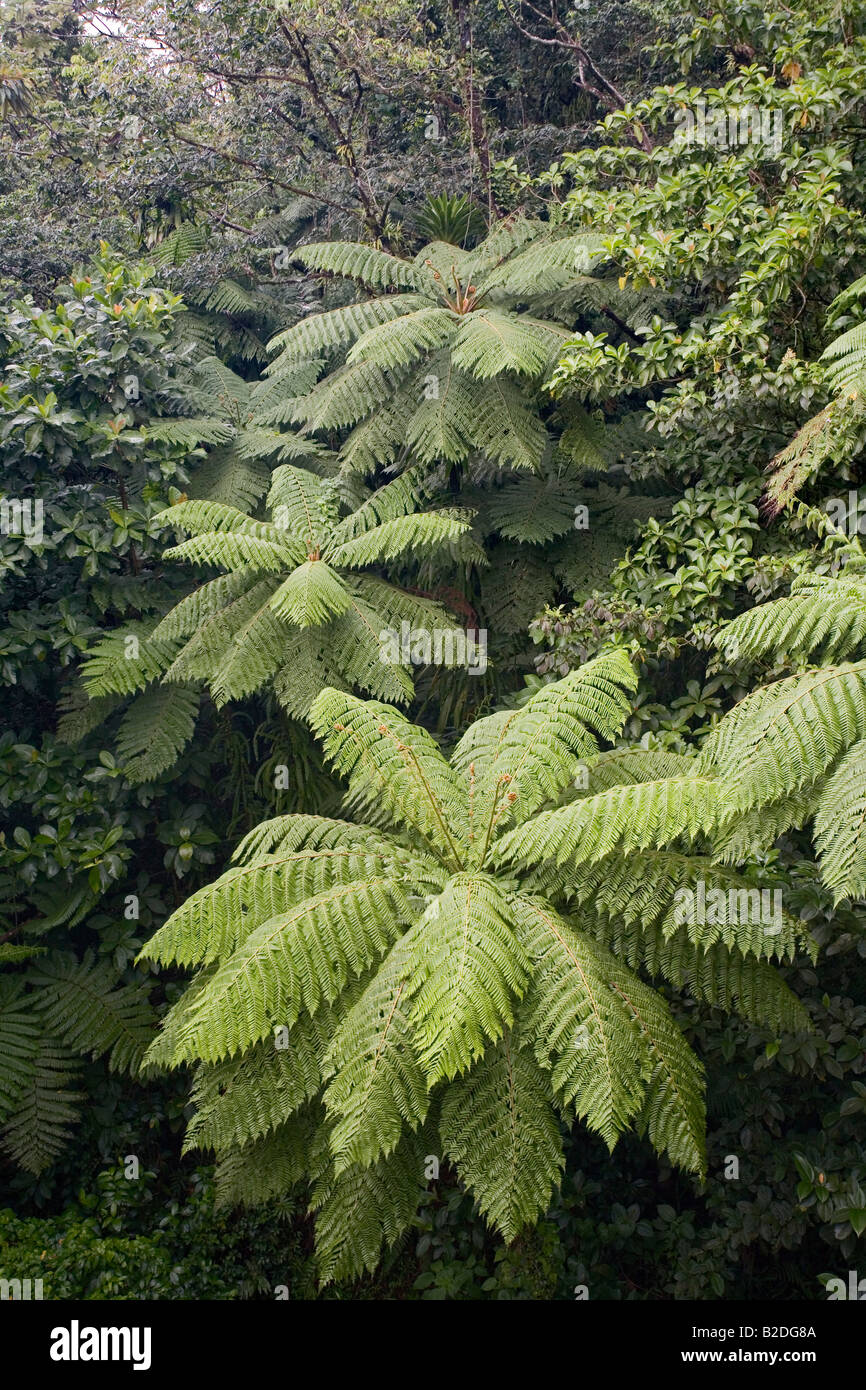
(454, 972)
(449, 366)
(303, 605)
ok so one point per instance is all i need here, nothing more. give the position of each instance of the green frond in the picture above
(500, 1129)
(380, 440)
(238, 648)
(399, 498)
(216, 919)
(344, 654)
(621, 767)
(401, 342)
(366, 1208)
(243, 1100)
(467, 969)
(391, 766)
(228, 476)
(346, 396)
(155, 729)
(303, 506)
(840, 827)
(781, 737)
(81, 1003)
(374, 269)
(441, 426)
(718, 976)
(45, 1109)
(313, 594)
(296, 960)
(190, 433)
(653, 887)
(624, 819)
(376, 1085)
(673, 1112)
(528, 758)
(490, 342)
(423, 533)
(846, 358)
(335, 329)
(308, 832)
(269, 1167)
(204, 518)
(824, 618)
(20, 1033)
(506, 427)
(204, 603)
(755, 832)
(545, 266)
(580, 1027)
(124, 662)
(533, 510)
(81, 715)
(236, 550)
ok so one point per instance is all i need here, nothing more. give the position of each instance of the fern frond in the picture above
(313, 594)
(840, 827)
(499, 1127)
(782, 736)
(366, 1208)
(623, 819)
(154, 731)
(334, 329)
(401, 342)
(490, 342)
(296, 960)
(467, 968)
(390, 764)
(81, 1002)
(825, 619)
(45, 1109)
(580, 1027)
(376, 1084)
(216, 919)
(374, 269)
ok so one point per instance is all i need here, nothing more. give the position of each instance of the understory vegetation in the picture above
(433, 653)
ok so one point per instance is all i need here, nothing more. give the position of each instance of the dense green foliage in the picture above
(431, 560)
